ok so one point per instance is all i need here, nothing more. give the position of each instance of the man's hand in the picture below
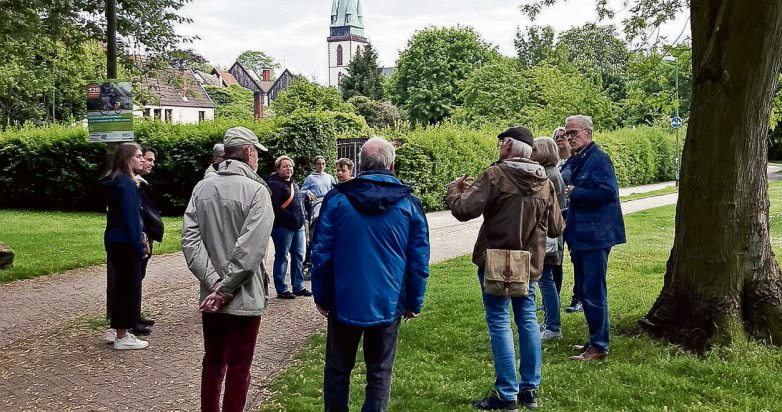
(215, 301)
(323, 311)
(569, 189)
(311, 196)
(462, 183)
(409, 314)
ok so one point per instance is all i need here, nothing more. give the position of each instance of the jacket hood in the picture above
(373, 192)
(237, 167)
(527, 175)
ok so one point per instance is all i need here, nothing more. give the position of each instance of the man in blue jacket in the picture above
(594, 225)
(370, 262)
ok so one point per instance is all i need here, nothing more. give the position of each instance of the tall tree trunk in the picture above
(722, 281)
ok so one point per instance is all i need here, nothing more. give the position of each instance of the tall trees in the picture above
(426, 82)
(722, 282)
(307, 96)
(534, 46)
(257, 61)
(365, 78)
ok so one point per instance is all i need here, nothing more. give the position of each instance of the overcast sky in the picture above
(294, 31)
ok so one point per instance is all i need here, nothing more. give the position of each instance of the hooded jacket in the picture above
(292, 216)
(225, 235)
(370, 256)
(519, 210)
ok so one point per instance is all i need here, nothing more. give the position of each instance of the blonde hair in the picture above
(280, 159)
(547, 151)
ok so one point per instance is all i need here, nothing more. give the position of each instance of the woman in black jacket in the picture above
(288, 229)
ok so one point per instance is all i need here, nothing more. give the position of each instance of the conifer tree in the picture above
(365, 78)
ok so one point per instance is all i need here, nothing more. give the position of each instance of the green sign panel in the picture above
(110, 112)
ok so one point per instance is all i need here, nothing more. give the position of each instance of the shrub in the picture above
(640, 156)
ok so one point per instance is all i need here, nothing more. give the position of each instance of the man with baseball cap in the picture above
(519, 210)
(224, 239)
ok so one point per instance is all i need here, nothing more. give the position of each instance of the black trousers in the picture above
(111, 275)
(124, 297)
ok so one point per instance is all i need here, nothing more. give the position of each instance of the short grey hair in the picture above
(518, 148)
(377, 154)
(547, 151)
(584, 121)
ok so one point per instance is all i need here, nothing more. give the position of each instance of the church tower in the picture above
(346, 37)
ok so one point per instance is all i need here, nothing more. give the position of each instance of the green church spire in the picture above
(346, 18)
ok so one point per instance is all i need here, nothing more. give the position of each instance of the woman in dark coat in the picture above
(125, 243)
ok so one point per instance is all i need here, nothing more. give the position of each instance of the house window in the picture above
(339, 55)
(168, 115)
(147, 112)
(158, 113)
(201, 116)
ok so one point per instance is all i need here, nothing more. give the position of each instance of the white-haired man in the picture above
(370, 262)
(520, 209)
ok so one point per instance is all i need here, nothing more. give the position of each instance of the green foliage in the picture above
(28, 180)
(534, 46)
(378, 114)
(431, 157)
(306, 96)
(257, 61)
(557, 94)
(495, 93)
(599, 54)
(426, 81)
(640, 156)
(365, 77)
(232, 102)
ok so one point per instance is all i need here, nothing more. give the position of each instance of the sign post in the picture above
(110, 112)
(676, 123)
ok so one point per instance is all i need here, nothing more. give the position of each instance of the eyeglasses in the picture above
(572, 132)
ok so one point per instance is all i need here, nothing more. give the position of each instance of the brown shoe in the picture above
(591, 354)
(580, 348)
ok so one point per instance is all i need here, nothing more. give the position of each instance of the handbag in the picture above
(552, 246)
(507, 273)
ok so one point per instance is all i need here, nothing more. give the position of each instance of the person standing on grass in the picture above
(544, 151)
(370, 262)
(126, 245)
(225, 235)
(315, 187)
(565, 170)
(594, 226)
(519, 209)
(153, 228)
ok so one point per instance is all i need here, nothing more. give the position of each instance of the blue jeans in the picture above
(379, 352)
(548, 290)
(590, 267)
(501, 339)
(288, 241)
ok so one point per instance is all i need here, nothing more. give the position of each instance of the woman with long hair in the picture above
(125, 244)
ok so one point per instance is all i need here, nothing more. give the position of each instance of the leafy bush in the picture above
(640, 156)
(233, 102)
(377, 113)
(56, 168)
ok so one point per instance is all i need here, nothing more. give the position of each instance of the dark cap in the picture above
(519, 133)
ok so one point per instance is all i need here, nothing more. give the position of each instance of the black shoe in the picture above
(141, 330)
(493, 402)
(574, 307)
(146, 322)
(528, 398)
(303, 292)
(286, 295)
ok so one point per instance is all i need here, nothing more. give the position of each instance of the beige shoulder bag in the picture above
(507, 273)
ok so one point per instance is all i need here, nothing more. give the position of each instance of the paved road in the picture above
(51, 358)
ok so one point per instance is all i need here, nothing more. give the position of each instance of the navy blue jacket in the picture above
(594, 217)
(123, 213)
(292, 216)
(370, 256)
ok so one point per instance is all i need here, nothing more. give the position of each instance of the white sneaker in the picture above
(111, 336)
(130, 342)
(546, 334)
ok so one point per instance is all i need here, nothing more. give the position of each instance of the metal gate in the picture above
(351, 148)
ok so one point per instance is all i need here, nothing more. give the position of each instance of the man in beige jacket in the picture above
(224, 239)
(519, 210)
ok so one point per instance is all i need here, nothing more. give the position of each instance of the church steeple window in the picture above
(339, 55)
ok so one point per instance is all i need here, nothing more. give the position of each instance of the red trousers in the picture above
(229, 345)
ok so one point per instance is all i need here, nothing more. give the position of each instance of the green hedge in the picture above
(641, 156)
(56, 168)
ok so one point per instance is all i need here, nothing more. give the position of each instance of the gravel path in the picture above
(52, 356)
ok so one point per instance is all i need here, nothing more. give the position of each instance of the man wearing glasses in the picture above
(594, 225)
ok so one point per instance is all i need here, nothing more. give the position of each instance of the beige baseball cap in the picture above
(240, 136)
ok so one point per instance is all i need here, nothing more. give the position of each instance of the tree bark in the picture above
(722, 282)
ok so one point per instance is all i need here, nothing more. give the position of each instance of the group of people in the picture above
(133, 223)
(370, 251)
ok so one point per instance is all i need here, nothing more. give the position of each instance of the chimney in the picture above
(267, 75)
(258, 105)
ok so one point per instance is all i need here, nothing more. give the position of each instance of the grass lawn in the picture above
(659, 192)
(51, 242)
(443, 359)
